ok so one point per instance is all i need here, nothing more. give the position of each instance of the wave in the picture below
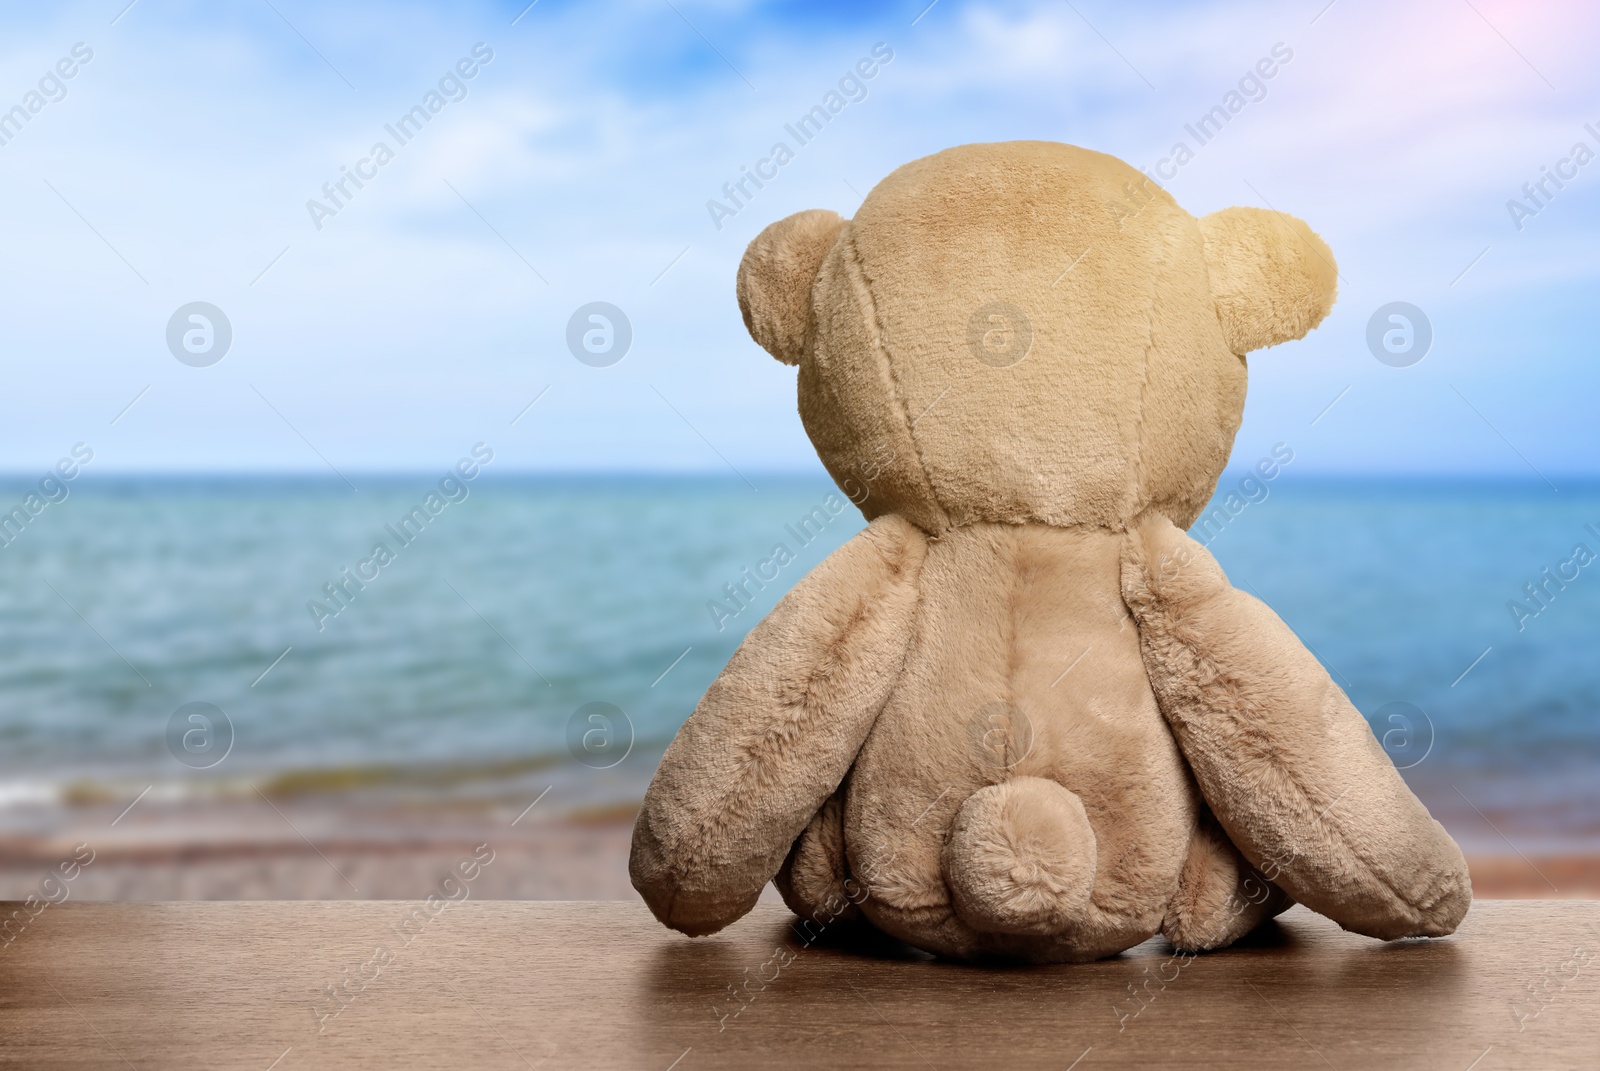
(389, 779)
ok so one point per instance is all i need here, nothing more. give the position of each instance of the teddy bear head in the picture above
(1028, 332)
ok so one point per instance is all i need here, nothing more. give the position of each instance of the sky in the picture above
(425, 311)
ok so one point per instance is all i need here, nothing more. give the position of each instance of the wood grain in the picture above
(561, 985)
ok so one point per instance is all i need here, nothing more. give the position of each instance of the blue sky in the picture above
(433, 306)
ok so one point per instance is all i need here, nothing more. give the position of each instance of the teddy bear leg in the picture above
(815, 881)
(1220, 896)
(1020, 859)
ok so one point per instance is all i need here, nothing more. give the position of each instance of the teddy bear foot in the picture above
(1020, 859)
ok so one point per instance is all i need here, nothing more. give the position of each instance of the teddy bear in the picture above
(1022, 714)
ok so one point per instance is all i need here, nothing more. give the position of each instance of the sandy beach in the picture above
(291, 850)
(238, 850)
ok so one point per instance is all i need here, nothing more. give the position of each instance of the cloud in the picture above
(431, 307)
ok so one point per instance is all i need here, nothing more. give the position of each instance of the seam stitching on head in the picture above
(1142, 500)
(1213, 283)
(882, 350)
(1207, 489)
(1134, 507)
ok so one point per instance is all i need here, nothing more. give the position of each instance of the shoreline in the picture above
(328, 850)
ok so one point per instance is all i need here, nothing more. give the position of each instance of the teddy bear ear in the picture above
(1272, 277)
(775, 280)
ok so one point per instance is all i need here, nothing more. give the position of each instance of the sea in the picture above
(195, 635)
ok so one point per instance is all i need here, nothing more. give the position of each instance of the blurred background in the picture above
(281, 282)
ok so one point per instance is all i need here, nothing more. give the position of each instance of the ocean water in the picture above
(459, 665)
(470, 661)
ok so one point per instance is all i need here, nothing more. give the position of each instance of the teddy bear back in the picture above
(1027, 332)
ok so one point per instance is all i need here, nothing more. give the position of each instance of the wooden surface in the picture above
(483, 985)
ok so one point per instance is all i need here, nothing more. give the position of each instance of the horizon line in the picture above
(309, 474)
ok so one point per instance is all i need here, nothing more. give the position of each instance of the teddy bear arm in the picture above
(1285, 761)
(776, 732)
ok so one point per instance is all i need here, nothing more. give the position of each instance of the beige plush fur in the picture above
(775, 280)
(1022, 714)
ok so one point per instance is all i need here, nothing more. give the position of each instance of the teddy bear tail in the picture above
(1020, 859)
